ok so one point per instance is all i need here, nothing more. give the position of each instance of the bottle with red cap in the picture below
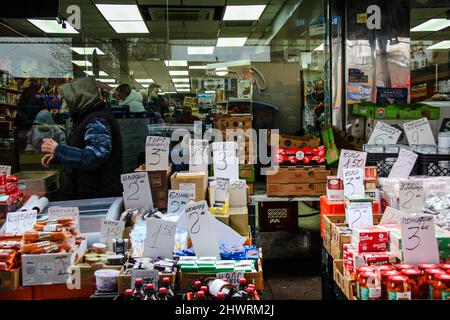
(150, 292)
(220, 296)
(138, 292)
(166, 283)
(162, 294)
(250, 293)
(128, 294)
(206, 291)
(196, 286)
(200, 295)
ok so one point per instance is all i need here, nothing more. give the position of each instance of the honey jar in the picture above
(384, 275)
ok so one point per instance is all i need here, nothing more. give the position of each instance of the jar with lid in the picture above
(445, 267)
(398, 288)
(441, 287)
(369, 286)
(414, 278)
(357, 278)
(430, 280)
(384, 275)
(402, 266)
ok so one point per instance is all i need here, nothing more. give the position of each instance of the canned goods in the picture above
(120, 246)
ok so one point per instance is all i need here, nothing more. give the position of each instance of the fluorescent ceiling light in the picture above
(176, 63)
(51, 26)
(183, 90)
(320, 48)
(113, 85)
(101, 73)
(163, 93)
(106, 80)
(197, 67)
(231, 42)
(182, 80)
(200, 50)
(440, 45)
(120, 12)
(87, 50)
(252, 12)
(179, 72)
(82, 63)
(129, 26)
(432, 25)
(144, 80)
(182, 85)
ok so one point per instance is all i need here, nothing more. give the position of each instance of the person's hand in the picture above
(49, 146)
(47, 160)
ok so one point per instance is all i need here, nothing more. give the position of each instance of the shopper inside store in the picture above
(231, 150)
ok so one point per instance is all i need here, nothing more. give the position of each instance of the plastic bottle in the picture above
(219, 285)
(162, 294)
(196, 286)
(205, 290)
(138, 292)
(149, 291)
(200, 295)
(221, 296)
(250, 293)
(166, 284)
(128, 295)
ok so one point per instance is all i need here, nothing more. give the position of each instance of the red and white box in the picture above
(372, 234)
(370, 246)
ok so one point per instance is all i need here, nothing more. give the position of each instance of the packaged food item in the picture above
(402, 266)
(370, 288)
(357, 279)
(430, 281)
(371, 234)
(41, 235)
(370, 247)
(441, 288)
(423, 266)
(106, 279)
(445, 267)
(99, 248)
(398, 288)
(335, 188)
(414, 278)
(28, 247)
(384, 275)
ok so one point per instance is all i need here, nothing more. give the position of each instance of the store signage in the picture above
(353, 182)
(160, 239)
(419, 242)
(136, 190)
(157, 153)
(392, 95)
(55, 213)
(384, 134)
(404, 164)
(238, 193)
(350, 159)
(372, 17)
(19, 222)
(202, 229)
(391, 216)
(177, 201)
(110, 230)
(226, 164)
(359, 214)
(419, 132)
(411, 196)
(5, 170)
(198, 155)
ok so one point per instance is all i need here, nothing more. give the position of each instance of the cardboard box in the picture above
(10, 280)
(239, 220)
(83, 273)
(53, 268)
(224, 218)
(343, 281)
(195, 182)
(297, 174)
(327, 243)
(247, 172)
(289, 141)
(296, 189)
(124, 280)
(159, 184)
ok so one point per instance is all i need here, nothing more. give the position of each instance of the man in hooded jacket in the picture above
(92, 157)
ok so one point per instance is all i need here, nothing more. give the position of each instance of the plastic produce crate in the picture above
(384, 163)
(428, 165)
(274, 216)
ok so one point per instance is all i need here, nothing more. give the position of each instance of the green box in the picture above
(247, 173)
(328, 141)
(392, 112)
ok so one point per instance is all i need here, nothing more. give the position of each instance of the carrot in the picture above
(49, 227)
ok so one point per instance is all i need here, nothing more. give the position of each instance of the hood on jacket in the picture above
(133, 96)
(81, 94)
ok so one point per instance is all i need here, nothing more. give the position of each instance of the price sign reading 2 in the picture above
(134, 189)
(195, 227)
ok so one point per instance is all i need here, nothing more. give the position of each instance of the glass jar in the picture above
(402, 266)
(384, 275)
(423, 266)
(430, 281)
(357, 278)
(398, 288)
(369, 286)
(414, 278)
(385, 267)
(445, 267)
(441, 288)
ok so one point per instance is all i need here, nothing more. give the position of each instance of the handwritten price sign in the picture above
(157, 153)
(198, 155)
(351, 159)
(19, 222)
(5, 170)
(160, 239)
(411, 196)
(354, 182)
(404, 164)
(384, 134)
(359, 214)
(226, 164)
(110, 230)
(136, 190)
(177, 201)
(419, 132)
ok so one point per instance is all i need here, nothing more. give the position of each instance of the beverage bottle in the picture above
(162, 294)
(219, 285)
(138, 292)
(242, 284)
(149, 291)
(196, 287)
(221, 296)
(166, 284)
(128, 295)
(200, 295)
(206, 291)
(250, 293)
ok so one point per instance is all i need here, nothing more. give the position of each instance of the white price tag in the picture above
(136, 190)
(160, 239)
(233, 277)
(419, 132)
(198, 155)
(353, 182)
(404, 164)
(226, 164)
(157, 153)
(190, 188)
(55, 213)
(384, 134)
(419, 242)
(359, 214)
(177, 201)
(411, 196)
(221, 189)
(391, 216)
(350, 159)
(238, 193)
(19, 222)
(202, 230)
(110, 230)
(5, 170)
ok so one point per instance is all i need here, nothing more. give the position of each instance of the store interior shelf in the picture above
(9, 105)
(10, 90)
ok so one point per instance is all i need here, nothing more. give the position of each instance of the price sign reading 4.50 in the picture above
(359, 214)
(157, 153)
(160, 239)
(411, 196)
(354, 182)
(136, 190)
(351, 159)
(226, 164)
(419, 239)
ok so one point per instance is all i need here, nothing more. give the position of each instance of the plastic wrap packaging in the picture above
(40, 205)
(30, 203)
